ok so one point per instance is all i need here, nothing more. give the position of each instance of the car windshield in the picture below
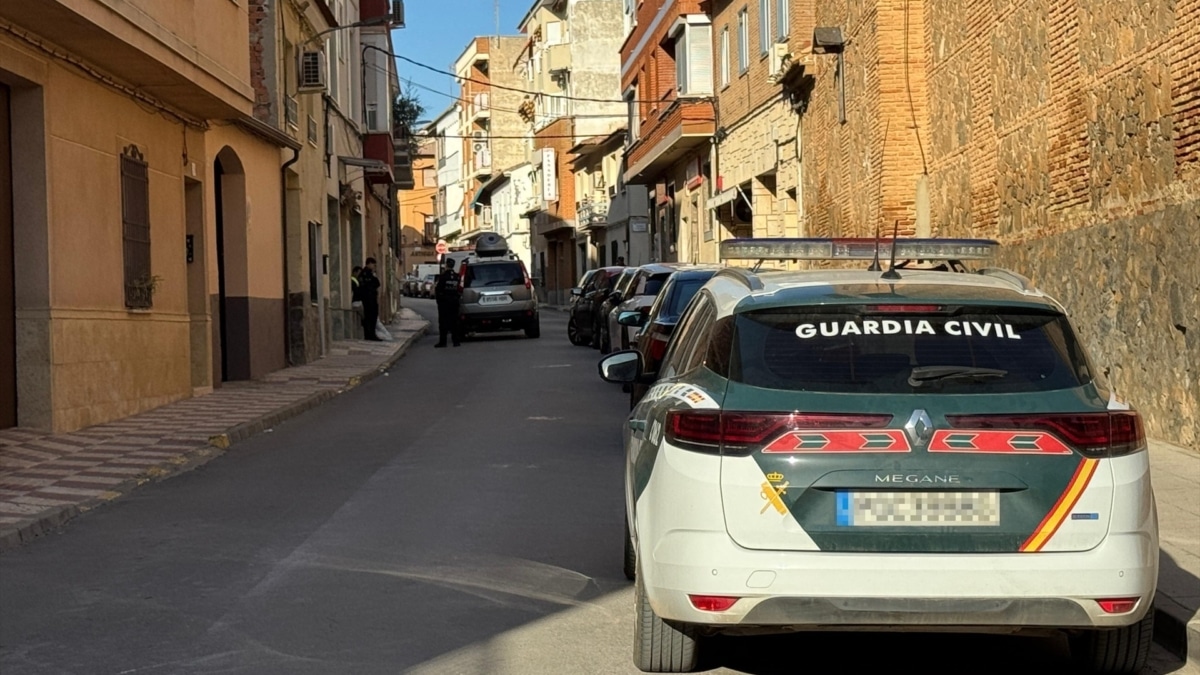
(967, 351)
(494, 274)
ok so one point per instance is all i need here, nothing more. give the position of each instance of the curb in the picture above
(1175, 631)
(51, 519)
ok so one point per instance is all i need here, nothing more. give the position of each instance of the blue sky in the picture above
(437, 31)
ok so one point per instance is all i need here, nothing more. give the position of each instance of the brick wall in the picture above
(559, 135)
(260, 35)
(1071, 132)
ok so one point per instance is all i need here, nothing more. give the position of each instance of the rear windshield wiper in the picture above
(925, 374)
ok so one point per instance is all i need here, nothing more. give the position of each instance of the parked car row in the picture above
(922, 447)
(413, 287)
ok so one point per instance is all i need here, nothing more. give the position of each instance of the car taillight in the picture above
(741, 433)
(903, 309)
(658, 346)
(462, 275)
(1096, 435)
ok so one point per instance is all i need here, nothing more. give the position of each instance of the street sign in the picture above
(441, 247)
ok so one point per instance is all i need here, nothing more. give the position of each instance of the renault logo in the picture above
(919, 428)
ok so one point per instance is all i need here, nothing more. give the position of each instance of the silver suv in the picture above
(497, 292)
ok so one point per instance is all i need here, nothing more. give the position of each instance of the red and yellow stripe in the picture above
(1062, 508)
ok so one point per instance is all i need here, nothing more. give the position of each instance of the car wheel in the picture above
(630, 554)
(573, 333)
(1114, 651)
(658, 646)
(533, 329)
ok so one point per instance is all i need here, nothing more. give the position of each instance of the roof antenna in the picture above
(875, 266)
(892, 273)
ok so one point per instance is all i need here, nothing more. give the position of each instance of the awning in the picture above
(723, 197)
(487, 187)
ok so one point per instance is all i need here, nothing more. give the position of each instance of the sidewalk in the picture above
(1176, 475)
(45, 480)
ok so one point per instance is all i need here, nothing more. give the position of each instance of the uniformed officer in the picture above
(446, 292)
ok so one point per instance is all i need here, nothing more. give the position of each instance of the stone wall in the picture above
(1131, 286)
(1071, 132)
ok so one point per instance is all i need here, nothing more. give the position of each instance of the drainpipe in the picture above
(283, 212)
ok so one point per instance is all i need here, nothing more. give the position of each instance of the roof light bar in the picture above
(862, 248)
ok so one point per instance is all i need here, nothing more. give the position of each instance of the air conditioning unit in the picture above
(312, 72)
(478, 135)
(397, 17)
(612, 191)
(780, 57)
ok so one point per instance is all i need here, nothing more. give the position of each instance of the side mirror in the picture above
(577, 291)
(622, 367)
(635, 319)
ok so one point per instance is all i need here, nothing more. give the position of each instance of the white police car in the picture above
(919, 448)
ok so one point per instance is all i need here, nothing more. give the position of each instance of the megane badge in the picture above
(919, 428)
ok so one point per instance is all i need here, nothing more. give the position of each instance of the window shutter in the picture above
(135, 222)
(682, 85)
(553, 33)
(700, 76)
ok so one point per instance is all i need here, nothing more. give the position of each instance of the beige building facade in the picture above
(145, 255)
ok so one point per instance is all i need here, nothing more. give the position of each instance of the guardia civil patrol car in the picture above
(921, 447)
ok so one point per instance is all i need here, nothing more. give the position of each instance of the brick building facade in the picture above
(1069, 131)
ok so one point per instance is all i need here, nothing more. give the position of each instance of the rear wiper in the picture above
(925, 374)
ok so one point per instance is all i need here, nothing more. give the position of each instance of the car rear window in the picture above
(655, 283)
(967, 351)
(494, 274)
(681, 295)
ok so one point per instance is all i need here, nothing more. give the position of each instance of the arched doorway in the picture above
(231, 329)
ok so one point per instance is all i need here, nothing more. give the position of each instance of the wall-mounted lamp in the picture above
(829, 40)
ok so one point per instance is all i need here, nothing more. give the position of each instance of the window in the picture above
(743, 41)
(693, 59)
(135, 228)
(725, 56)
(977, 350)
(633, 114)
(782, 20)
(764, 27)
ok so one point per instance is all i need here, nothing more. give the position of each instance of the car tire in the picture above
(1114, 651)
(533, 329)
(658, 646)
(573, 333)
(630, 554)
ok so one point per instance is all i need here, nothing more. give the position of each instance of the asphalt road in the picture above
(462, 515)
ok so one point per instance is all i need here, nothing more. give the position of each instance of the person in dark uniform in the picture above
(368, 293)
(446, 291)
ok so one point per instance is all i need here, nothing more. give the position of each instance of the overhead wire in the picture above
(528, 92)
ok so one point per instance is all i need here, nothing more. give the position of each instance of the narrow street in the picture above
(461, 515)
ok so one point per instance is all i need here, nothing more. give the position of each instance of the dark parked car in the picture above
(638, 295)
(584, 321)
(658, 326)
(620, 292)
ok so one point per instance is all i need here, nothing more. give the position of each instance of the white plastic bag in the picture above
(381, 332)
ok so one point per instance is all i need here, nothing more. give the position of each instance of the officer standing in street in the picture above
(368, 293)
(447, 293)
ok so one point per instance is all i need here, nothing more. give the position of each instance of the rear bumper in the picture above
(799, 590)
(510, 317)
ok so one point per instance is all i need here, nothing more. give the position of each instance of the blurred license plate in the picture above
(495, 299)
(918, 509)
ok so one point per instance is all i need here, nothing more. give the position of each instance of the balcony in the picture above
(482, 162)
(385, 12)
(684, 126)
(558, 58)
(480, 107)
(592, 213)
(380, 147)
